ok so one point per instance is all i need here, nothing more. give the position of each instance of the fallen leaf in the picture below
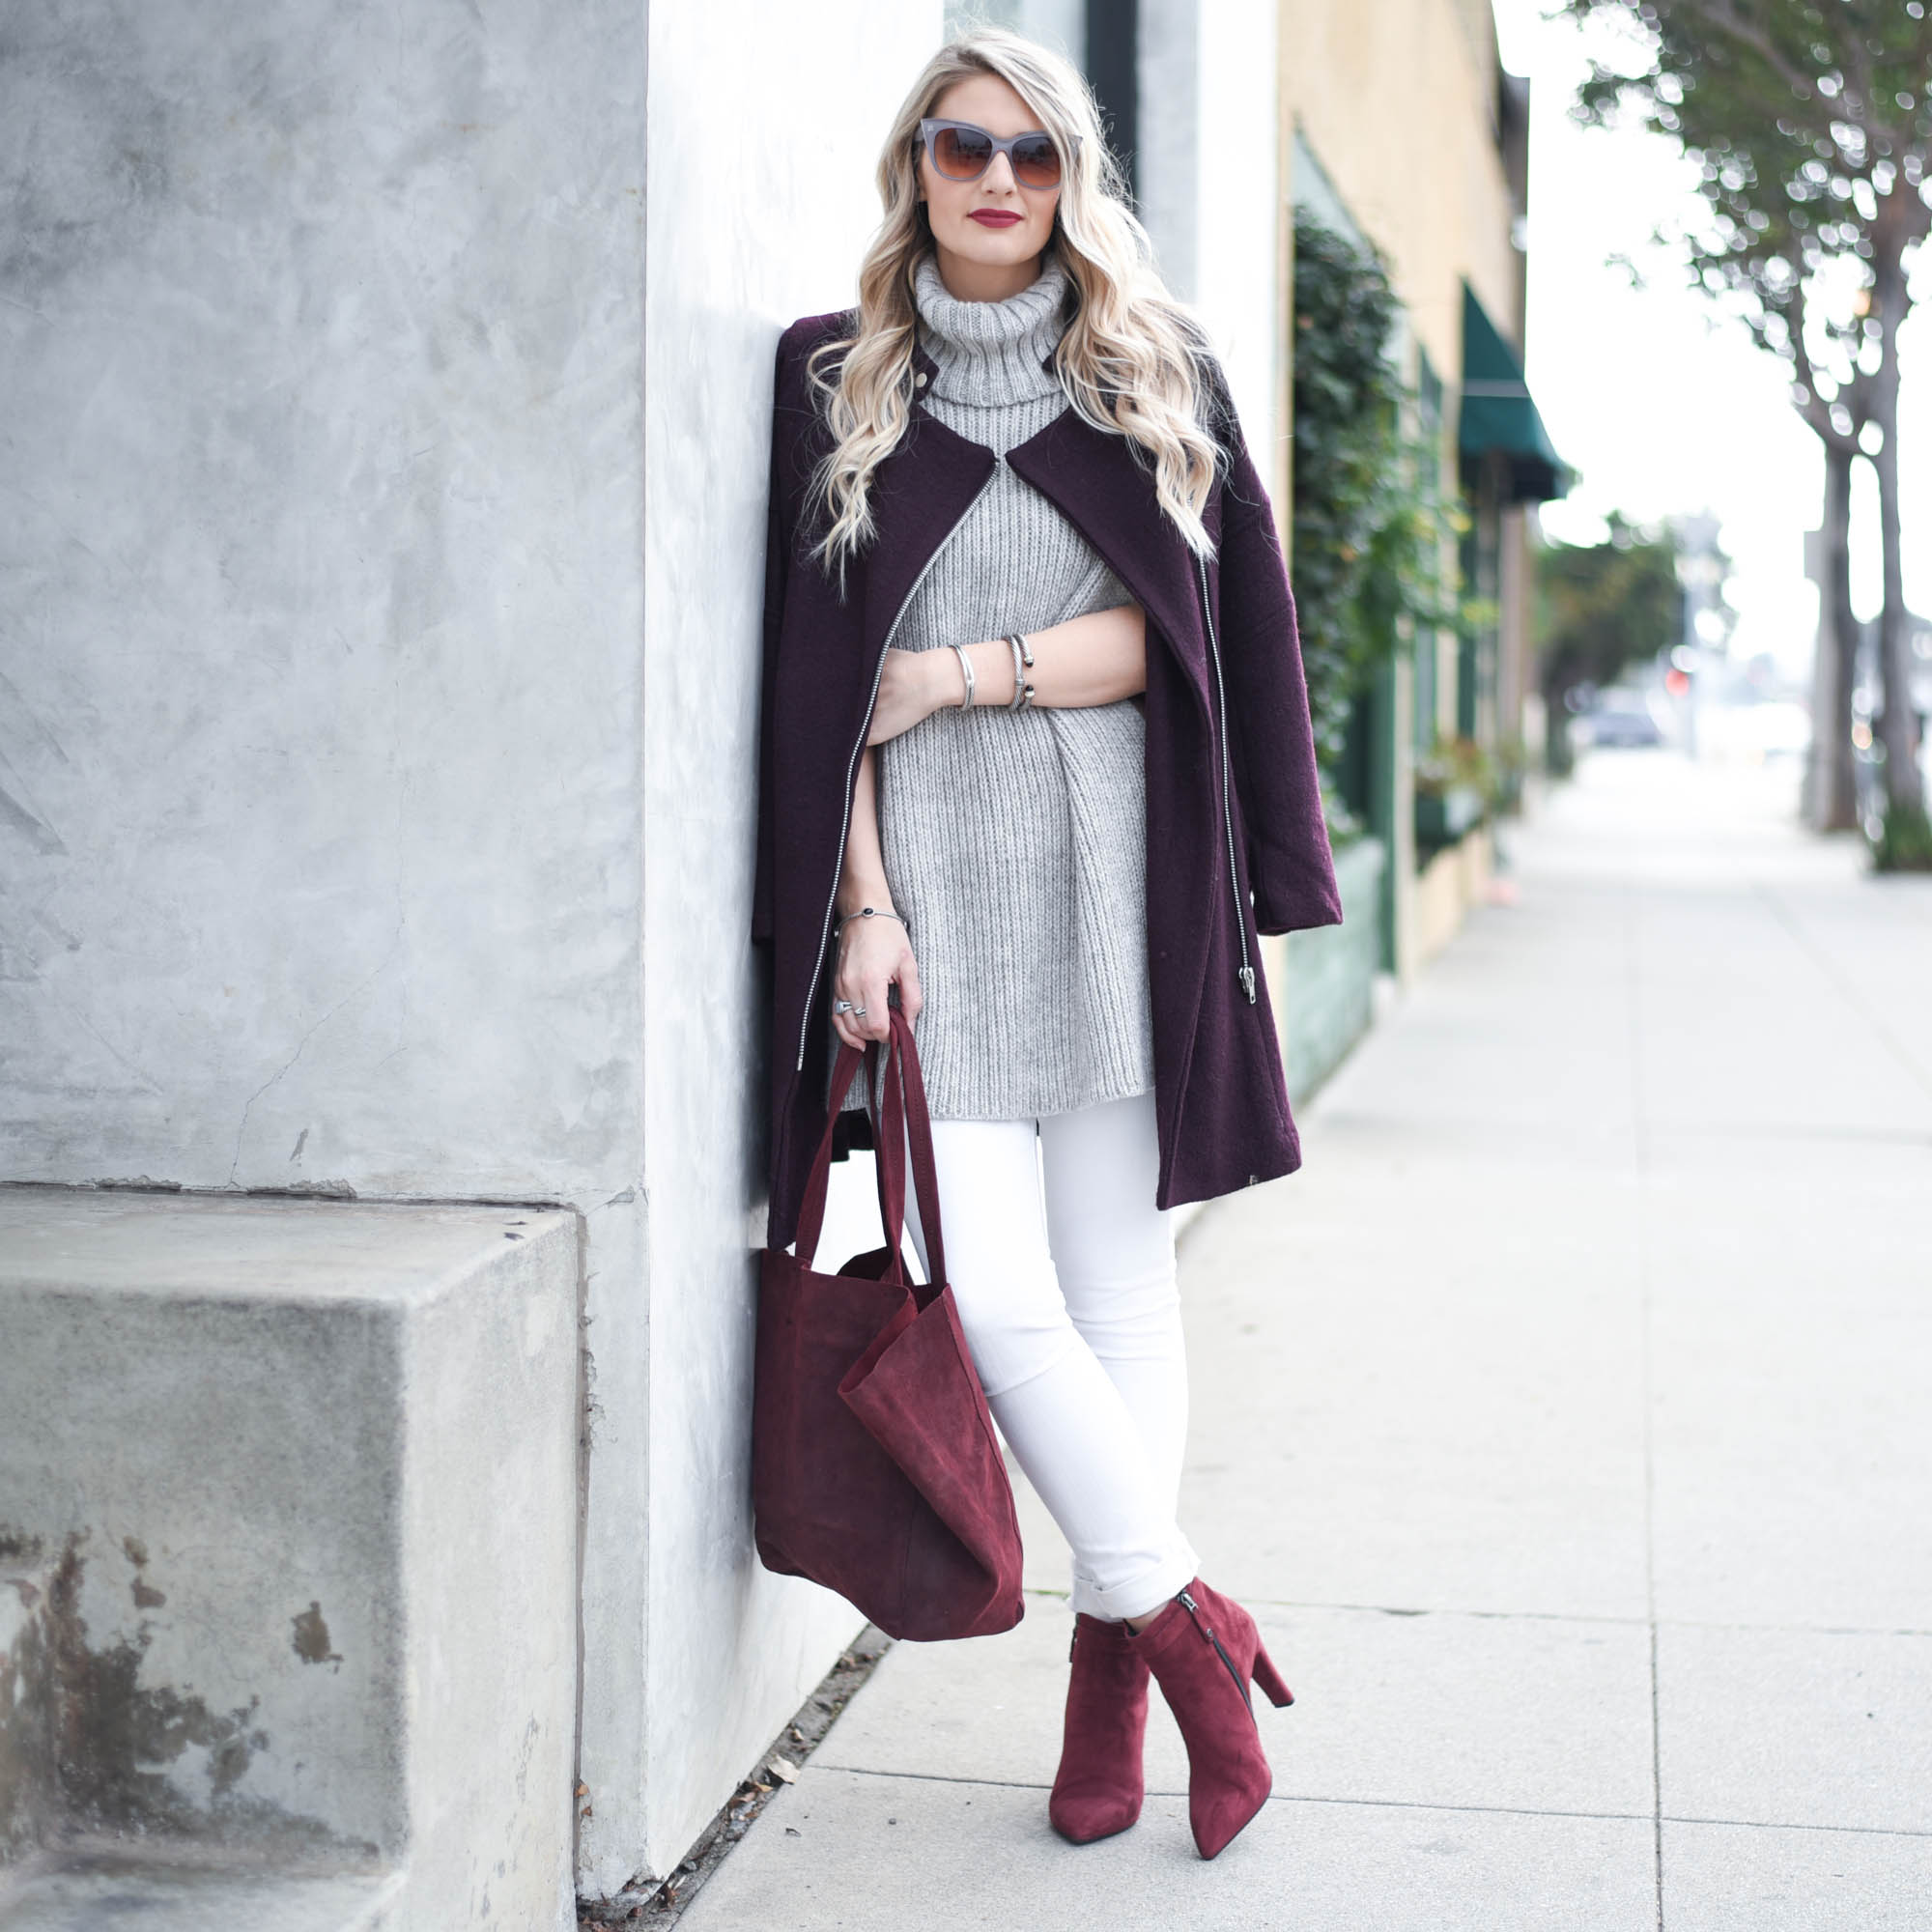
(783, 1767)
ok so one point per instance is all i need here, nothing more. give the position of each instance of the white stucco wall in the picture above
(1060, 24)
(764, 130)
(1210, 184)
(375, 747)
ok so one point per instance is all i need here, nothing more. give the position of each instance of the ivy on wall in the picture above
(1373, 531)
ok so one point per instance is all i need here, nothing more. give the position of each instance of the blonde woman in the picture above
(1036, 763)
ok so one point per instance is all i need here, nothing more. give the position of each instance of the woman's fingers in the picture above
(862, 976)
(876, 1025)
(911, 998)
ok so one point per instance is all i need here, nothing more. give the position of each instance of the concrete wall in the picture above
(288, 1544)
(320, 621)
(374, 753)
(320, 611)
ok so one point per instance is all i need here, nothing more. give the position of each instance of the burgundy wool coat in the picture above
(1236, 844)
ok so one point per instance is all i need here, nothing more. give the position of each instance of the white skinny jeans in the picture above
(1072, 1314)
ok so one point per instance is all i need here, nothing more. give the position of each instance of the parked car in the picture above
(1621, 717)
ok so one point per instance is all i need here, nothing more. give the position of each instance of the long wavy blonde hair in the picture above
(1131, 360)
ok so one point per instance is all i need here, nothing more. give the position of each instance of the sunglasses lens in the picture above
(961, 153)
(1036, 161)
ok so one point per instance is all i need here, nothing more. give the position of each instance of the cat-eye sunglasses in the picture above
(960, 152)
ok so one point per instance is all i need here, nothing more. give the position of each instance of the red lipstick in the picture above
(994, 217)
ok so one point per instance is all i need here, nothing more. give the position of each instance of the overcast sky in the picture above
(1663, 405)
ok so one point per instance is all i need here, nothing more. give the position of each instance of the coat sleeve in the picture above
(1271, 740)
(781, 521)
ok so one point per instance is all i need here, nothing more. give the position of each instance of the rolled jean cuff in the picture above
(1141, 1594)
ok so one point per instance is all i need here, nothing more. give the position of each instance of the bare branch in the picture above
(1815, 410)
(1726, 18)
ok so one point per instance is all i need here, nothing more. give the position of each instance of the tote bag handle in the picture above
(904, 1117)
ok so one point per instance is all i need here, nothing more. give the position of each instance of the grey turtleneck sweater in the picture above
(1014, 843)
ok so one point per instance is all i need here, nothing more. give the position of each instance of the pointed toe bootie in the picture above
(1099, 1785)
(1202, 1649)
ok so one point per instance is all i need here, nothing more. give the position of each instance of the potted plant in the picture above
(1456, 785)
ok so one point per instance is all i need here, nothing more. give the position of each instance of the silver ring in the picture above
(858, 1013)
(842, 1006)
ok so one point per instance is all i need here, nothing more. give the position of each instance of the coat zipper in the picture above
(1187, 1603)
(1245, 972)
(858, 750)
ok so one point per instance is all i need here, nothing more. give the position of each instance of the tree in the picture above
(1813, 128)
(1602, 608)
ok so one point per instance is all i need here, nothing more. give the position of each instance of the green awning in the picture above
(1497, 412)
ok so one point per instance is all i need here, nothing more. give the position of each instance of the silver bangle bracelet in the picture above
(966, 672)
(1023, 693)
(868, 912)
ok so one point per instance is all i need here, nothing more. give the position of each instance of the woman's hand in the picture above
(910, 687)
(873, 954)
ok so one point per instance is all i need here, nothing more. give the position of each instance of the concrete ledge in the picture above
(162, 1897)
(288, 1532)
(1329, 999)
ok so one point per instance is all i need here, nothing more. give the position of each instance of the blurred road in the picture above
(1566, 1422)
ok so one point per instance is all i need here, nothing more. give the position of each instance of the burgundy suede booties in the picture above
(1203, 1648)
(1099, 1785)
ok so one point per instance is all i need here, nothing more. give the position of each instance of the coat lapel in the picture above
(918, 493)
(1093, 479)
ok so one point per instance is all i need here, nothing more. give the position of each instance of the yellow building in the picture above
(1400, 129)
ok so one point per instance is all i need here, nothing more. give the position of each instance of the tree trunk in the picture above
(1836, 793)
(1897, 724)
(1897, 727)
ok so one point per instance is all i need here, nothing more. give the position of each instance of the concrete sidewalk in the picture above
(1567, 1424)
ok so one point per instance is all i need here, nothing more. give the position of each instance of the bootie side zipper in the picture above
(1188, 1604)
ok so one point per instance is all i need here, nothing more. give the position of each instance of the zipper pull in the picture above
(1246, 976)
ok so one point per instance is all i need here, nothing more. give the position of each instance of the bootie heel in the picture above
(1270, 1679)
(1203, 1649)
(1100, 1784)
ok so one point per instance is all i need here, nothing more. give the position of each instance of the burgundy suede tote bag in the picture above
(874, 1467)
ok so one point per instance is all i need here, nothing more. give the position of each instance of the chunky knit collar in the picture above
(990, 353)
